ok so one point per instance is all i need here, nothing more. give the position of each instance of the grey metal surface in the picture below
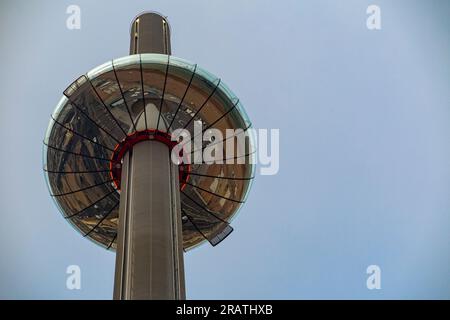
(149, 261)
(150, 33)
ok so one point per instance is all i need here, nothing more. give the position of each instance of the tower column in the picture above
(150, 33)
(149, 261)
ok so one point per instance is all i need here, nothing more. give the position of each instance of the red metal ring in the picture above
(115, 165)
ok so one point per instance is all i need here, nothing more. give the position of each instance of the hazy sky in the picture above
(364, 119)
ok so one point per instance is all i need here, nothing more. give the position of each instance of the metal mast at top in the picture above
(150, 33)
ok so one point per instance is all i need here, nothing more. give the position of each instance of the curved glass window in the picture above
(101, 109)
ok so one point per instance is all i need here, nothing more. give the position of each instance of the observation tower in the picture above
(109, 166)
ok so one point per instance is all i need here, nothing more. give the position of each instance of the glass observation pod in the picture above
(102, 114)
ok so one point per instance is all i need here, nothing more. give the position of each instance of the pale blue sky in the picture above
(364, 119)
